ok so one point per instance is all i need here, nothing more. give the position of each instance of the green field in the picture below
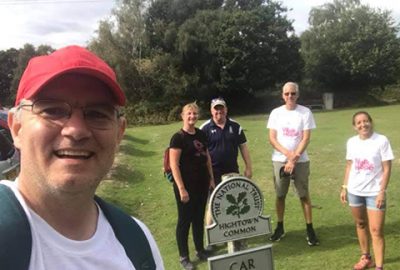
(138, 186)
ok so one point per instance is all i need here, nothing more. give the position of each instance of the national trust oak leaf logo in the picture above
(236, 206)
(239, 205)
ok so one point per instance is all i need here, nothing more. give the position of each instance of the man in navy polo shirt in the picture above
(225, 138)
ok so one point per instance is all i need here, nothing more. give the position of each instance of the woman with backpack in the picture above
(191, 168)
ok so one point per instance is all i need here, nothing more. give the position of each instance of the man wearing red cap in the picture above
(67, 125)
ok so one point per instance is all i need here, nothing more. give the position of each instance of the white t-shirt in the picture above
(289, 126)
(366, 169)
(51, 250)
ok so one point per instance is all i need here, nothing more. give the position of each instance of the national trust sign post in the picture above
(236, 206)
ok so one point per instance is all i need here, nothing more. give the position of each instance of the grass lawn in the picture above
(138, 186)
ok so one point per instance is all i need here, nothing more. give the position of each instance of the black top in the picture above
(193, 160)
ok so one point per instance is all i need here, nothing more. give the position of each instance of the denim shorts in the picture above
(368, 201)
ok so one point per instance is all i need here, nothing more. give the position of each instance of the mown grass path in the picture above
(138, 186)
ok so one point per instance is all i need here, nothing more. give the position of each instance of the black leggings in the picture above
(191, 212)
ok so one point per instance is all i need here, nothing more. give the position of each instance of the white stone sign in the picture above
(252, 259)
(236, 206)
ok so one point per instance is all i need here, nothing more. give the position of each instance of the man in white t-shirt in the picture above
(289, 134)
(67, 124)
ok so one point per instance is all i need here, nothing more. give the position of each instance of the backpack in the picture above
(16, 237)
(166, 167)
(166, 164)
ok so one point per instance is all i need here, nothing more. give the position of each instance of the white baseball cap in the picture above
(218, 101)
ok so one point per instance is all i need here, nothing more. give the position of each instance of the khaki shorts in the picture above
(300, 181)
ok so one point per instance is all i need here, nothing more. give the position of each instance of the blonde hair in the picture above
(190, 106)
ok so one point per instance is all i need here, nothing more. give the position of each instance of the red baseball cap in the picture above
(71, 59)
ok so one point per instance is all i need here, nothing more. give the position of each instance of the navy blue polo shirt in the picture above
(223, 145)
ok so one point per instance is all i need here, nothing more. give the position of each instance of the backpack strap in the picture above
(15, 232)
(130, 235)
(16, 237)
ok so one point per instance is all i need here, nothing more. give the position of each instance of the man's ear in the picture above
(15, 127)
(121, 129)
(121, 132)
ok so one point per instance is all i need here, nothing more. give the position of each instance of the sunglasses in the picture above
(290, 93)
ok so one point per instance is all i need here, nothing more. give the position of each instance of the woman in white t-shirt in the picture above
(368, 165)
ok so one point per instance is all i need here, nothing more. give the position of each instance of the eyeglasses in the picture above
(290, 93)
(97, 116)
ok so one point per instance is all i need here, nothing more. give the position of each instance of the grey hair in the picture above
(292, 84)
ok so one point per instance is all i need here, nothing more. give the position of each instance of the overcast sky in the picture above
(63, 22)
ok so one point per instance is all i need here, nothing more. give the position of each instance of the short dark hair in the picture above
(361, 112)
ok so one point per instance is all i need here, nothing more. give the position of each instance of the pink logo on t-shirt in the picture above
(290, 132)
(363, 164)
(199, 147)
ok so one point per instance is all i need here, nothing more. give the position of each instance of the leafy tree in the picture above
(175, 51)
(164, 17)
(26, 53)
(44, 50)
(351, 46)
(237, 52)
(8, 62)
(120, 44)
(242, 4)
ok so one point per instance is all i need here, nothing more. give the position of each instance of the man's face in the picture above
(290, 95)
(69, 157)
(219, 113)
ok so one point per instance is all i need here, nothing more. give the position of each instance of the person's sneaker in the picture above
(365, 262)
(277, 235)
(203, 255)
(186, 264)
(312, 239)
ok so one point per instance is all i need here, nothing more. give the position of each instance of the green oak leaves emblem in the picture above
(239, 205)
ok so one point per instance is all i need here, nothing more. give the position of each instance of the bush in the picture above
(146, 113)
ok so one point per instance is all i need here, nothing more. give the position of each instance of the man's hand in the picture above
(248, 173)
(293, 156)
(289, 167)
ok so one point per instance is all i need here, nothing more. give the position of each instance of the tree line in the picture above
(169, 52)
